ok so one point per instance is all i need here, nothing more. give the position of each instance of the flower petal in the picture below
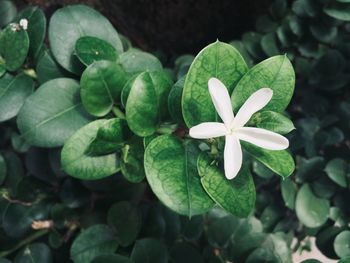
(208, 130)
(254, 103)
(221, 100)
(263, 138)
(232, 156)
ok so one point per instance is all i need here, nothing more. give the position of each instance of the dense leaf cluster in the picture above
(94, 133)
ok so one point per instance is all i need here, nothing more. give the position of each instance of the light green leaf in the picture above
(272, 121)
(52, 113)
(339, 11)
(126, 220)
(276, 73)
(149, 250)
(147, 102)
(70, 23)
(336, 170)
(34, 253)
(91, 49)
(78, 164)
(14, 46)
(13, 92)
(171, 171)
(341, 244)
(36, 28)
(110, 137)
(218, 60)
(101, 86)
(92, 242)
(136, 61)
(236, 196)
(280, 162)
(312, 211)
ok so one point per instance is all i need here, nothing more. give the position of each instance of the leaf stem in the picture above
(24, 242)
(118, 113)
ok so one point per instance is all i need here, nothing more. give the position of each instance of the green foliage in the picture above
(134, 186)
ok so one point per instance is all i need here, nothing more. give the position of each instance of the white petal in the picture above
(263, 138)
(221, 99)
(232, 156)
(254, 103)
(208, 130)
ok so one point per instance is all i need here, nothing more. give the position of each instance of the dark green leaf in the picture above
(174, 101)
(7, 12)
(336, 170)
(131, 165)
(149, 250)
(171, 171)
(289, 191)
(34, 253)
(339, 11)
(3, 169)
(78, 164)
(217, 60)
(52, 113)
(111, 258)
(48, 69)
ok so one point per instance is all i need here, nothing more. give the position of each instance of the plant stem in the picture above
(24, 242)
(118, 113)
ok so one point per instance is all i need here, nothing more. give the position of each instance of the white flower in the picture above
(24, 23)
(233, 127)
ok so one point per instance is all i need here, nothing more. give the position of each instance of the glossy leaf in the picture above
(77, 163)
(339, 11)
(171, 171)
(91, 49)
(125, 218)
(149, 250)
(36, 28)
(275, 73)
(136, 61)
(14, 46)
(52, 113)
(280, 162)
(336, 170)
(146, 102)
(110, 137)
(217, 60)
(13, 92)
(101, 86)
(92, 242)
(236, 196)
(272, 121)
(311, 210)
(70, 23)
(131, 164)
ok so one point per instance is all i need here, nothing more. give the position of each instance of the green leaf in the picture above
(269, 44)
(311, 211)
(92, 242)
(236, 196)
(339, 11)
(147, 102)
(171, 171)
(78, 164)
(341, 244)
(101, 86)
(185, 252)
(3, 169)
(126, 90)
(70, 23)
(14, 46)
(91, 49)
(110, 137)
(126, 220)
(136, 61)
(336, 170)
(131, 165)
(280, 162)
(34, 253)
(275, 73)
(48, 69)
(217, 60)
(36, 28)
(111, 258)
(13, 92)
(7, 12)
(174, 101)
(272, 121)
(52, 113)
(149, 250)
(289, 191)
